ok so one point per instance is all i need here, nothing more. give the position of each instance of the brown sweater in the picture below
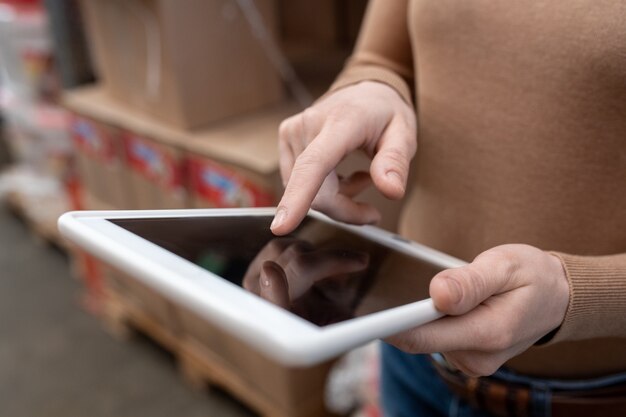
(521, 110)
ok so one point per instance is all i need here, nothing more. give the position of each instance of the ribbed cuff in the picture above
(597, 305)
(357, 73)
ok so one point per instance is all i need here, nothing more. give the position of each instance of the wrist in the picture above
(562, 289)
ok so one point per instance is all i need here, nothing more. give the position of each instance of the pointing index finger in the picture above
(308, 173)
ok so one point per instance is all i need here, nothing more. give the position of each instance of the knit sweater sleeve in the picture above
(383, 50)
(597, 306)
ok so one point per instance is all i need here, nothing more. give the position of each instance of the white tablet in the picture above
(302, 298)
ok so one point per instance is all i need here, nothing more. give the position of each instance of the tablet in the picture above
(301, 298)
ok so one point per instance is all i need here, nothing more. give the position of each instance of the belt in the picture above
(504, 399)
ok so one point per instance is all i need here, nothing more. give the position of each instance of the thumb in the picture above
(390, 166)
(459, 290)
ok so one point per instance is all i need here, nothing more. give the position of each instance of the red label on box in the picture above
(152, 162)
(223, 187)
(92, 140)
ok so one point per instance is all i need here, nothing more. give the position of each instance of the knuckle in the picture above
(283, 130)
(275, 246)
(349, 110)
(398, 158)
(482, 334)
(415, 343)
(408, 125)
(496, 337)
(409, 342)
(472, 283)
(292, 269)
(287, 126)
(504, 256)
(300, 248)
(290, 252)
(308, 160)
(485, 338)
(501, 340)
(310, 116)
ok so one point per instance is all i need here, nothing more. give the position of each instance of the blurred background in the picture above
(151, 104)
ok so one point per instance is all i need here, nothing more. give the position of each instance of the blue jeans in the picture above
(410, 387)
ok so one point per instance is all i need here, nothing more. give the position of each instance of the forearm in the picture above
(383, 50)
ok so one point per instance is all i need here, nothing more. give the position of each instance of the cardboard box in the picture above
(215, 185)
(100, 162)
(291, 391)
(141, 298)
(119, 165)
(186, 62)
(156, 173)
(37, 135)
(231, 164)
(235, 163)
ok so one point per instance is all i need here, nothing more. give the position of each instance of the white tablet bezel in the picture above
(287, 338)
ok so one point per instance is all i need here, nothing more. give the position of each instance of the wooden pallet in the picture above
(121, 319)
(199, 367)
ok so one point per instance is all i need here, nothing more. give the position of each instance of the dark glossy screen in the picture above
(322, 273)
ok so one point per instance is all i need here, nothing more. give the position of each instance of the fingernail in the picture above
(395, 178)
(267, 270)
(279, 218)
(454, 288)
(375, 219)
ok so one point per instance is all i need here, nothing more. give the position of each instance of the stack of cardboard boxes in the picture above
(186, 114)
(170, 74)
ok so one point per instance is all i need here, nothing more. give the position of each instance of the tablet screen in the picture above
(320, 272)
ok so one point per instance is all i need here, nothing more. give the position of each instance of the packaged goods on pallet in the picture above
(100, 161)
(231, 164)
(188, 62)
(156, 173)
(235, 163)
(214, 185)
(269, 387)
(208, 355)
(140, 299)
(36, 135)
(26, 53)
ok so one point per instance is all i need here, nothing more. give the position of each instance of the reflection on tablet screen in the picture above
(322, 273)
